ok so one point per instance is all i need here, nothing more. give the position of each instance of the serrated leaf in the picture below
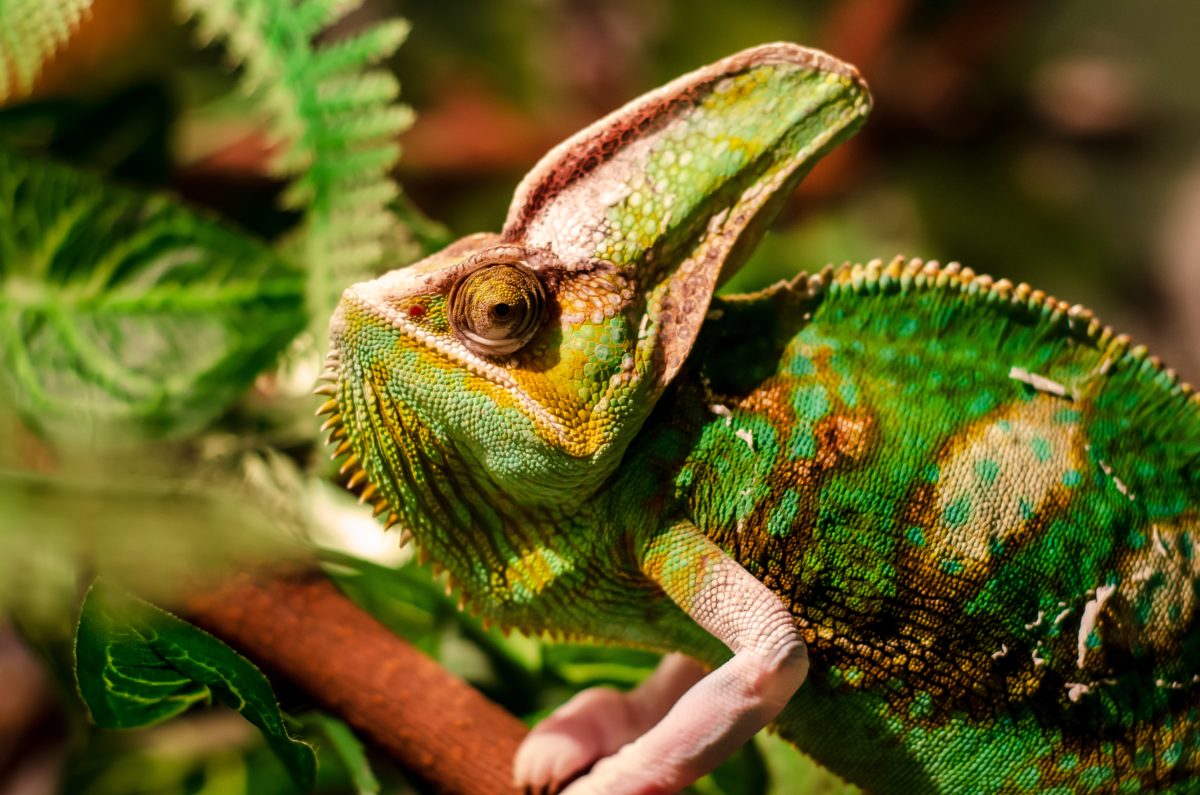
(125, 312)
(137, 665)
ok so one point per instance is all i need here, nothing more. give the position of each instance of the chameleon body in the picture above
(965, 510)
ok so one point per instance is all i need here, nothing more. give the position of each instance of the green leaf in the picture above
(137, 665)
(348, 750)
(122, 312)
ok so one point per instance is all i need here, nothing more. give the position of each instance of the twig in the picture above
(435, 725)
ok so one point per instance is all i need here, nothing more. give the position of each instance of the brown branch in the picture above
(435, 725)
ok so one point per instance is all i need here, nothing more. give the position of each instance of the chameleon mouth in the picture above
(351, 470)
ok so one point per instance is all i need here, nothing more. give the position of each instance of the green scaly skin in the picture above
(975, 505)
(939, 527)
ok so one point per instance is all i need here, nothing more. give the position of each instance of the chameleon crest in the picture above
(965, 515)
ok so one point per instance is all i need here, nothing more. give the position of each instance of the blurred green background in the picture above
(1053, 143)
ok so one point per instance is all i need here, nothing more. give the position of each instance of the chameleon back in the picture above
(982, 508)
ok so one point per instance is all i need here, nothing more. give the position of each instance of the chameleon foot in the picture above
(596, 723)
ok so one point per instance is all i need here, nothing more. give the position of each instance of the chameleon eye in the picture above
(495, 309)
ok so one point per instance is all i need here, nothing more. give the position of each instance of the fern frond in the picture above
(30, 32)
(337, 118)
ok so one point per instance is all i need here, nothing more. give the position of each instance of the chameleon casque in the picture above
(962, 513)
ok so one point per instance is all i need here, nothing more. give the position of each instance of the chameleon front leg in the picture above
(728, 706)
(597, 722)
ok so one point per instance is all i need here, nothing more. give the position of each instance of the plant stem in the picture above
(301, 627)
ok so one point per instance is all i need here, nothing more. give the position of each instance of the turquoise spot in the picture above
(801, 365)
(916, 536)
(1174, 612)
(848, 392)
(1072, 478)
(952, 567)
(810, 402)
(1166, 507)
(804, 444)
(987, 470)
(1093, 640)
(1004, 425)
(783, 517)
(1068, 761)
(1068, 416)
(931, 474)
(1141, 612)
(1041, 449)
(908, 327)
(958, 512)
(1025, 509)
(982, 404)
(1137, 539)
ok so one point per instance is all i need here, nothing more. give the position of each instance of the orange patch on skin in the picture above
(844, 438)
(772, 400)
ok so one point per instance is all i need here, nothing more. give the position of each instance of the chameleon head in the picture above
(515, 368)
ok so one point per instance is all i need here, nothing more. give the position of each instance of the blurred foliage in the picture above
(1052, 143)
